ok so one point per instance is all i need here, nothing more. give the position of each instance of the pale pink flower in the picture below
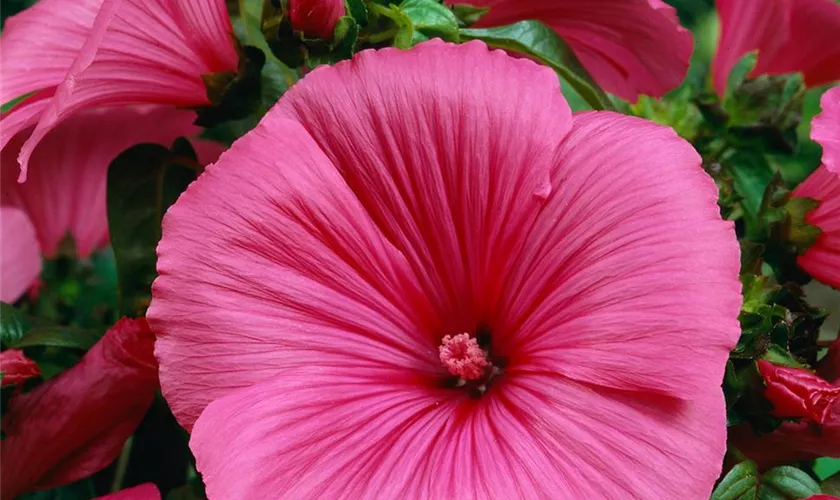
(791, 36)
(308, 279)
(16, 367)
(20, 257)
(147, 491)
(75, 424)
(79, 54)
(316, 18)
(630, 47)
(66, 191)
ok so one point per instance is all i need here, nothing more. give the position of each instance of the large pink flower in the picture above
(630, 47)
(77, 54)
(74, 425)
(791, 36)
(421, 277)
(147, 491)
(20, 257)
(65, 193)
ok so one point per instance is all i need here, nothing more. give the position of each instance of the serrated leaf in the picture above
(779, 356)
(540, 42)
(741, 482)
(752, 175)
(13, 325)
(143, 182)
(431, 19)
(787, 483)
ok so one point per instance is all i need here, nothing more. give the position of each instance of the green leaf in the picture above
(752, 175)
(538, 41)
(740, 483)
(60, 336)
(788, 483)
(142, 183)
(358, 11)
(431, 19)
(738, 74)
(468, 14)
(779, 356)
(13, 325)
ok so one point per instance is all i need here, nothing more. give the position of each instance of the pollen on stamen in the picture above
(462, 356)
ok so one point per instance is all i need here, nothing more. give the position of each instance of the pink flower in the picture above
(20, 258)
(316, 18)
(630, 47)
(308, 279)
(81, 54)
(825, 129)
(147, 491)
(74, 425)
(791, 36)
(822, 259)
(66, 191)
(796, 393)
(16, 367)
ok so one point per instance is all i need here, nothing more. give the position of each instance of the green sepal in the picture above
(233, 95)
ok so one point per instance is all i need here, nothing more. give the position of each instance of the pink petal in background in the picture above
(66, 191)
(135, 52)
(825, 129)
(630, 47)
(102, 399)
(20, 256)
(791, 36)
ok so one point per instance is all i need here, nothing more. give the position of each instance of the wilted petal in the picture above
(74, 425)
(20, 257)
(630, 47)
(796, 393)
(16, 367)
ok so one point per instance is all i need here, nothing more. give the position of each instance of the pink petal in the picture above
(745, 26)
(628, 279)
(149, 52)
(66, 193)
(630, 47)
(822, 260)
(825, 129)
(102, 399)
(41, 43)
(343, 434)
(347, 253)
(790, 37)
(20, 257)
(16, 367)
(147, 491)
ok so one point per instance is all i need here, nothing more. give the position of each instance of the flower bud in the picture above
(316, 18)
(797, 393)
(16, 367)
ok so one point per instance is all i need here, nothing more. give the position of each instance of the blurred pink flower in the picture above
(66, 191)
(20, 257)
(147, 491)
(825, 129)
(308, 279)
(316, 18)
(16, 367)
(630, 47)
(75, 424)
(73, 55)
(791, 36)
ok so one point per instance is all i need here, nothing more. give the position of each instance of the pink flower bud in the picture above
(316, 18)
(797, 393)
(16, 367)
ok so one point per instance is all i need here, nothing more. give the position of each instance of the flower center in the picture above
(463, 357)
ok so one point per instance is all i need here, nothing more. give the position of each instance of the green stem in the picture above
(381, 10)
(122, 465)
(385, 35)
